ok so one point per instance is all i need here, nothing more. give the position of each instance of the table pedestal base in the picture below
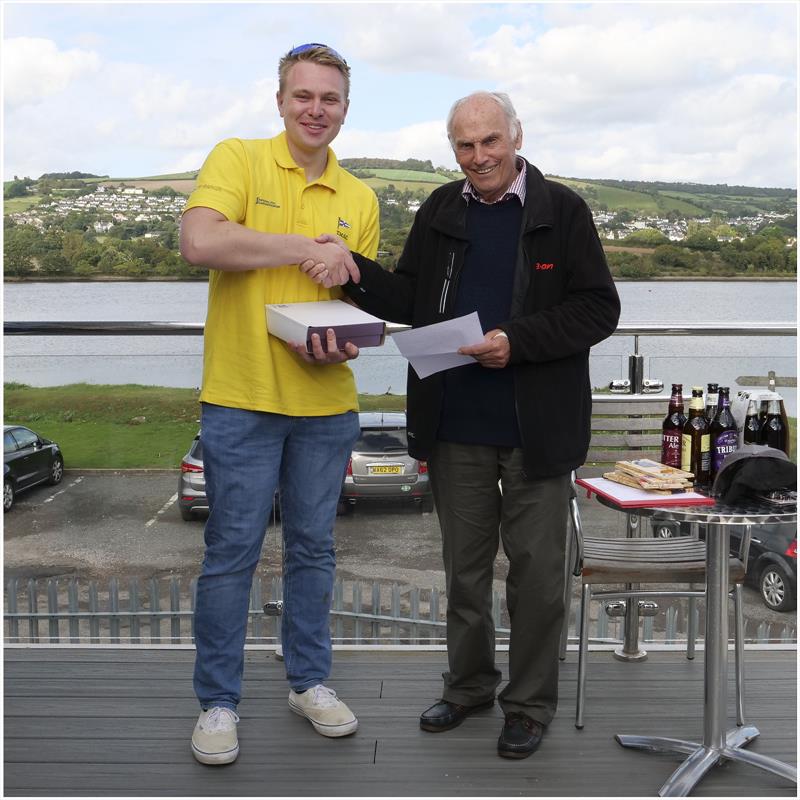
(703, 757)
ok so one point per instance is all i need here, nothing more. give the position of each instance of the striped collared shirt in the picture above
(517, 187)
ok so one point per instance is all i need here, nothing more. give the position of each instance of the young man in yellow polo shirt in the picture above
(272, 415)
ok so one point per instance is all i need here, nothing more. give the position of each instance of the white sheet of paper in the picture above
(434, 348)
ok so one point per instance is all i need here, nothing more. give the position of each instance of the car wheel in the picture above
(8, 495)
(776, 589)
(426, 506)
(186, 513)
(663, 531)
(56, 471)
(343, 508)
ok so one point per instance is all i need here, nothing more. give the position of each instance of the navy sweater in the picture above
(478, 403)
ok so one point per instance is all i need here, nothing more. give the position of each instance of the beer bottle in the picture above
(672, 429)
(696, 440)
(724, 435)
(751, 433)
(773, 432)
(712, 397)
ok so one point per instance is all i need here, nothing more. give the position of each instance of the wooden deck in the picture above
(115, 722)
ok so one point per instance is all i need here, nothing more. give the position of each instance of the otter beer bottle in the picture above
(696, 440)
(724, 435)
(672, 429)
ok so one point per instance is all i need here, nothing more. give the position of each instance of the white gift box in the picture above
(296, 322)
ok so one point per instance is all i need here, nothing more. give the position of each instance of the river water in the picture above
(176, 360)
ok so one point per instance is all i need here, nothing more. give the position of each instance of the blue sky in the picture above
(647, 91)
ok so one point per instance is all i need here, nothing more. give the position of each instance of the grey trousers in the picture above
(529, 517)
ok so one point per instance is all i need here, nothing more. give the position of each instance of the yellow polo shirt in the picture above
(257, 183)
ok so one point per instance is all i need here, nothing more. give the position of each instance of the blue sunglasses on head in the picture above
(301, 48)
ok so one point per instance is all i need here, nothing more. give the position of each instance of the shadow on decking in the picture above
(115, 722)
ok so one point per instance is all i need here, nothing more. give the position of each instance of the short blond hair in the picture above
(317, 54)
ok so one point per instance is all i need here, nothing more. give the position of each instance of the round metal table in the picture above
(717, 744)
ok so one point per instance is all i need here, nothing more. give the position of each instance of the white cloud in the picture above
(34, 69)
(411, 37)
(426, 140)
(681, 91)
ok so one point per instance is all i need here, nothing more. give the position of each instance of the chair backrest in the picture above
(624, 427)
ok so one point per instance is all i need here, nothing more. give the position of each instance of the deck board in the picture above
(114, 722)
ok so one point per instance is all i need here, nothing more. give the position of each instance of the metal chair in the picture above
(632, 562)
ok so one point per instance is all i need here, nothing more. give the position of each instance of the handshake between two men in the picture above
(492, 352)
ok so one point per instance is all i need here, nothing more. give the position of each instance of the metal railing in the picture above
(635, 383)
(75, 611)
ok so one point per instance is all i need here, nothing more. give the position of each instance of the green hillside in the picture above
(409, 175)
(615, 198)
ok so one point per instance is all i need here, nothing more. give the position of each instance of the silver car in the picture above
(380, 466)
(192, 498)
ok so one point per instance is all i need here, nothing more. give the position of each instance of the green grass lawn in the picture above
(138, 427)
(123, 427)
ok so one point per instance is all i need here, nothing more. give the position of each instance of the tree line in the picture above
(701, 253)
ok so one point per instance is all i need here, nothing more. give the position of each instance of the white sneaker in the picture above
(329, 715)
(214, 740)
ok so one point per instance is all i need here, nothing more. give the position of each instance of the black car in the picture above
(771, 563)
(29, 459)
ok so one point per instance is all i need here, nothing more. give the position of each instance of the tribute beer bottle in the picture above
(751, 433)
(672, 429)
(712, 397)
(773, 432)
(696, 440)
(724, 435)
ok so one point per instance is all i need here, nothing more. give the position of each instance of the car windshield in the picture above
(382, 441)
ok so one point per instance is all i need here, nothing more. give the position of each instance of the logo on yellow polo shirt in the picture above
(260, 201)
(342, 228)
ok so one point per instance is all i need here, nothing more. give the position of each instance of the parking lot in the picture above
(98, 524)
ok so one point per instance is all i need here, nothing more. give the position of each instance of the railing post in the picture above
(376, 610)
(73, 604)
(256, 608)
(636, 372)
(338, 605)
(192, 606)
(414, 601)
(33, 610)
(175, 608)
(113, 614)
(52, 610)
(395, 612)
(357, 612)
(13, 621)
(155, 607)
(94, 607)
(133, 605)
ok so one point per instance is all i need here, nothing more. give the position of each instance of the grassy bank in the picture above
(122, 427)
(132, 426)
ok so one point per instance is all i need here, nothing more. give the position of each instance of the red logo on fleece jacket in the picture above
(542, 266)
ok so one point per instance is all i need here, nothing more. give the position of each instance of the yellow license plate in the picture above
(388, 469)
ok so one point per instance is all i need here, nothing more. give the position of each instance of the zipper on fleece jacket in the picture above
(446, 285)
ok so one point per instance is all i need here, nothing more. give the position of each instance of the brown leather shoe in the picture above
(443, 716)
(520, 737)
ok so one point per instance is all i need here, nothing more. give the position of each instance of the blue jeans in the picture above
(246, 454)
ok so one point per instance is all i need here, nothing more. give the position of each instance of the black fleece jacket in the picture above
(564, 302)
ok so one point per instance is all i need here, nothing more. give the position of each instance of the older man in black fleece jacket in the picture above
(523, 252)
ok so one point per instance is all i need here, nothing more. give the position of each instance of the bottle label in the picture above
(725, 443)
(705, 452)
(671, 449)
(686, 452)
